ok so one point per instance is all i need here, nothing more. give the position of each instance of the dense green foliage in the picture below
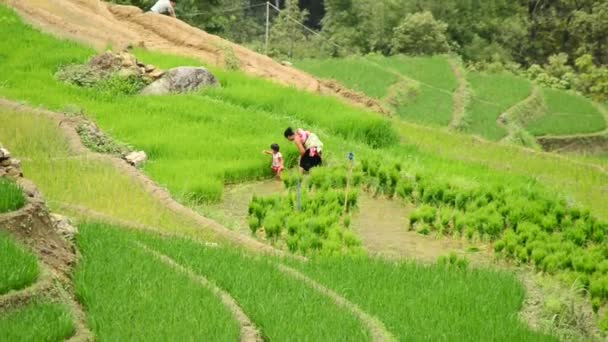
(18, 267)
(420, 34)
(567, 114)
(437, 303)
(39, 321)
(11, 196)
(315, 219)
(128, 294)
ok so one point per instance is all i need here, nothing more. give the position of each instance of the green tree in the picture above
(287, 33)
(420, 34)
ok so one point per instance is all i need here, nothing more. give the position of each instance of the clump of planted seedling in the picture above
(525, 223)
(315, 221)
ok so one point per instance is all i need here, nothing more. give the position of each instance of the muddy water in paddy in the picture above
(232, 210)
(382, 224)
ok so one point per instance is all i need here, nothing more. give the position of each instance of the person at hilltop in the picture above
(309, 145)
(277, 160)
(166, 7)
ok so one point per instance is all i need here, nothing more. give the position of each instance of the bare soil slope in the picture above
(101, 24)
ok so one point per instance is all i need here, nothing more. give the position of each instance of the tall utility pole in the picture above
(267, 26)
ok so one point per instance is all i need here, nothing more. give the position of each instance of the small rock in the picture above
(286, 63)
(16, 163)
(12, 172)
(156, 74)
(136, 158)
(6, 162)
(64, 226)
(4, 153)
(2, 172)
(150, 68)
(181, 80)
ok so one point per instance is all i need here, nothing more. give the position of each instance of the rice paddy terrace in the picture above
(428, 235)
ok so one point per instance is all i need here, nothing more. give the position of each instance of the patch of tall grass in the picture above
(567, 114)
(66, 177)
(11, 196)
(281, 307)
(493, 94)
(18, 266)
(432, 303)
(129, 295)
(352, 72)
(39, 321)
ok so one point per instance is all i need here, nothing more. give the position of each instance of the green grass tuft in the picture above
(39, 321)
(18, 267)
(11, 196)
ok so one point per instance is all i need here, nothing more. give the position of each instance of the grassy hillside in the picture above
(418, 88)
(423, 93)
(48, 160)
(567, 114)
(219, 141)
(492, 95)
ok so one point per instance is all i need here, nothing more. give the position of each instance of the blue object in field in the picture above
(351, 156)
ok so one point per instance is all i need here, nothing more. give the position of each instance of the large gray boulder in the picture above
(181, 80)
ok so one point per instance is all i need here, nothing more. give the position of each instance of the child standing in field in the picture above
(277, 159)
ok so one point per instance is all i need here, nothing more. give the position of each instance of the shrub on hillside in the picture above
(420, 34)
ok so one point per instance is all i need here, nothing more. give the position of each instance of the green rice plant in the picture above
(37, 321)
(432, 107)
(11, 196)
(429, 302)
(271, 298)
(50, 163)
(151, 301)
(432, 70)
(18, 266)
(353, 72)
(567, 113)
(320, 225)
(492, 95)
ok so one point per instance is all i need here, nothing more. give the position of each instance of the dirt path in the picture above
(375, 326)
(382, 225)
(68, 124)
(249, 332)
(460, 97)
